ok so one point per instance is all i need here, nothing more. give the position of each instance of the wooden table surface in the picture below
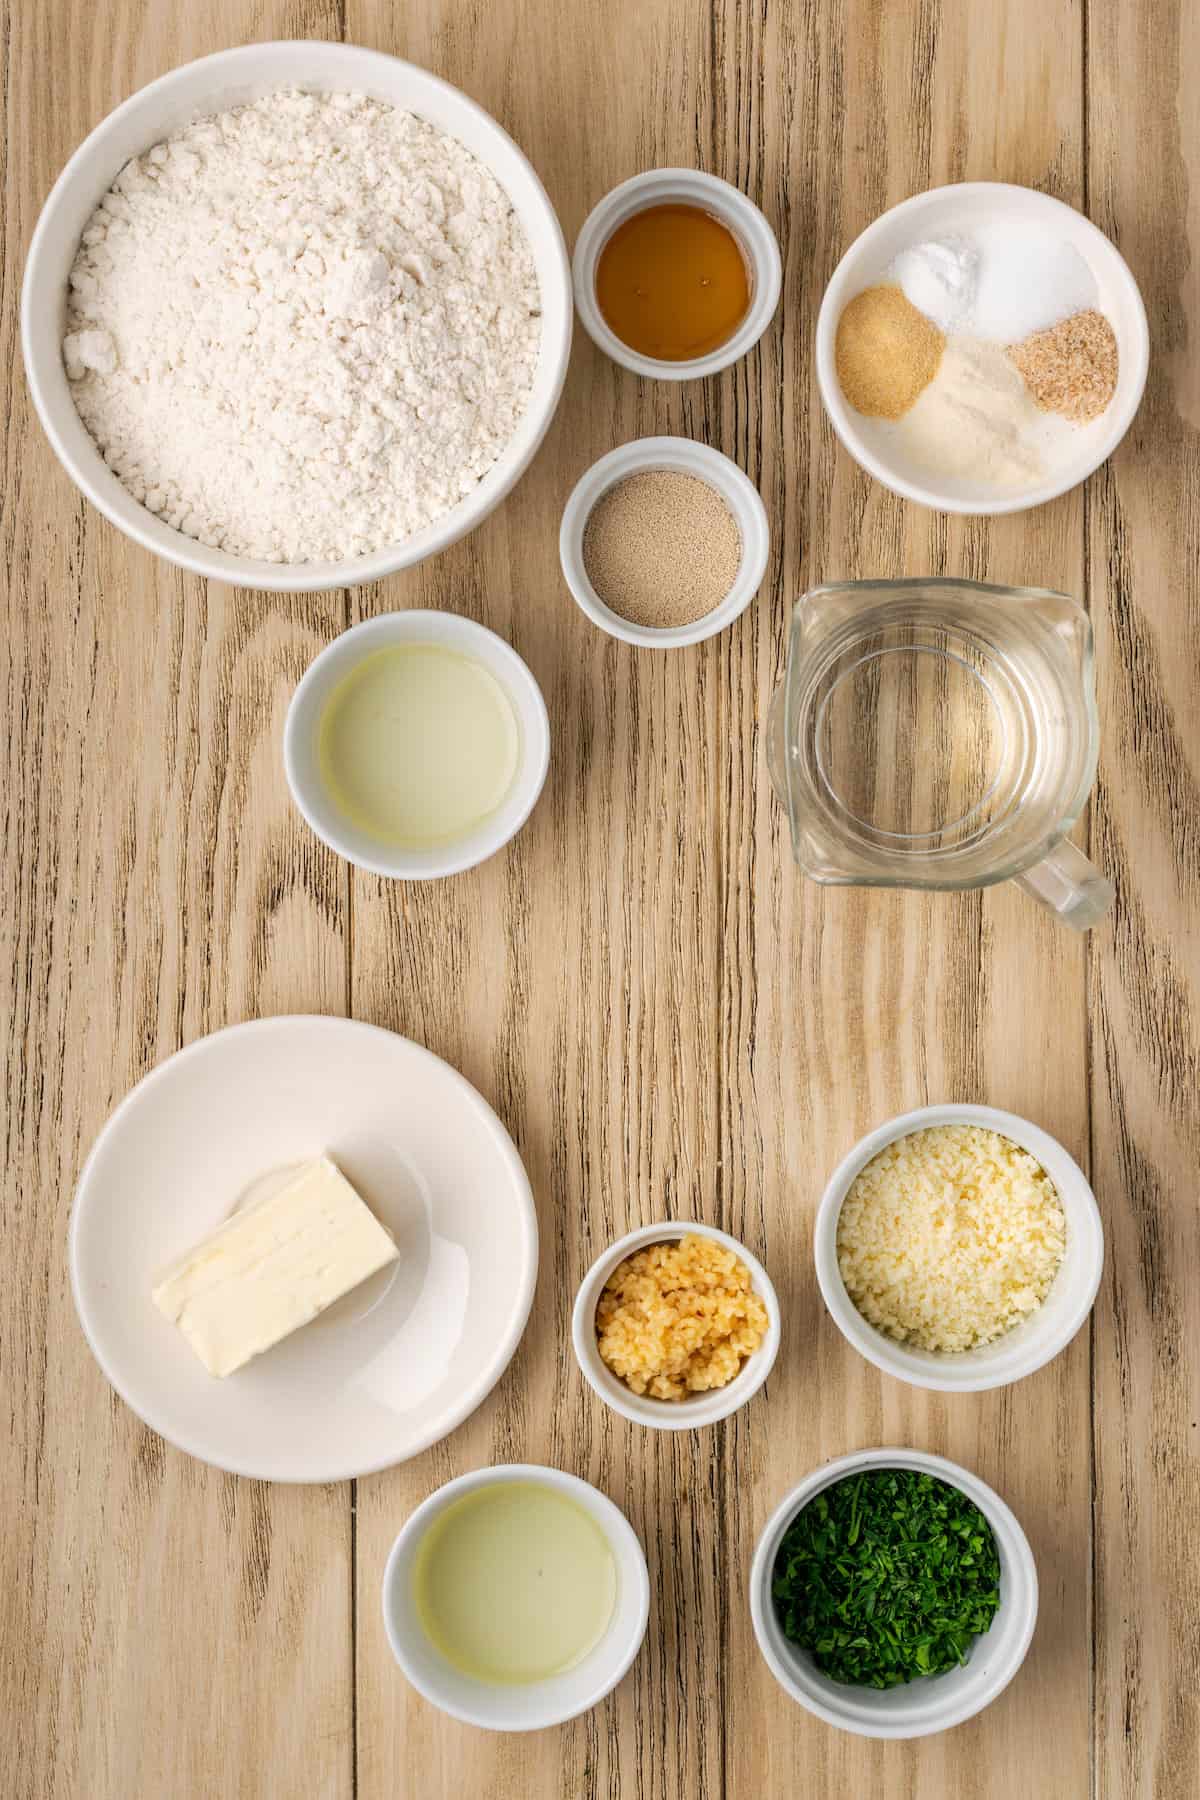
(669, 1018)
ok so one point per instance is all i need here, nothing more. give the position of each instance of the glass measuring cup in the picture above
(938, 733)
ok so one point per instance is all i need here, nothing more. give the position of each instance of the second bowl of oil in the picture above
(677, 274)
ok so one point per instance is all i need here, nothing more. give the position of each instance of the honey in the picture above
(672, 282)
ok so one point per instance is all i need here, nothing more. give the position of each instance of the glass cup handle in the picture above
(1070, 886)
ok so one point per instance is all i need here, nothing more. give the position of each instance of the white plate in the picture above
(393, 1366)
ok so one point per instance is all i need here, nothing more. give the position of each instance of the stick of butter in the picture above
(273, 1266)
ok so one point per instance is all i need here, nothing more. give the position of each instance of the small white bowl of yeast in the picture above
(1028, 1345)
(644, 456)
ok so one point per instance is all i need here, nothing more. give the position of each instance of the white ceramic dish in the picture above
(393, 1366)
(537, 1704)
(658, 187)
(955, 211)
(735, 488)
(700, 1409)
(214, 83)
(301, 733)
(921, 1707)
(1031, 1344)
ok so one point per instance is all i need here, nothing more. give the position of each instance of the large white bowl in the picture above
(920, 1707)
(1030, 1345)
(213, 84)
(950, 212)
(532, 1705)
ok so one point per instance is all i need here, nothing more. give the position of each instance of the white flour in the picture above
(975, 419)
(977, 422)
(305, 329)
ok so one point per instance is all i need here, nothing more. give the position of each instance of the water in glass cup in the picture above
(940, 733)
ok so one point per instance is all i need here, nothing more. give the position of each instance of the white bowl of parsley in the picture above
(893, 1594)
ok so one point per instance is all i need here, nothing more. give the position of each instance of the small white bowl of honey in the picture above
(677, 274)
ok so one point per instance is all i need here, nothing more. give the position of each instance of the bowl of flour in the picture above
(297, 316)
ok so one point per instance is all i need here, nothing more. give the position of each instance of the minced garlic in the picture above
(679, 1318)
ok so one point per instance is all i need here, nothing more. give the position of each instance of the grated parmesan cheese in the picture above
(950, 1237)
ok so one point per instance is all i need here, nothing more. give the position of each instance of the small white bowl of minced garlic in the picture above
(959, 1248)
(676, 1325)
(664, 542)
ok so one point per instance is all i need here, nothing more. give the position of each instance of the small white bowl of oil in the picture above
(417, 744)
(516, 1597)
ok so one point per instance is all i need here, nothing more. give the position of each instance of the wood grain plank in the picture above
(164, 1626)
(1144, 542)
(840, 1009)
(574, 979)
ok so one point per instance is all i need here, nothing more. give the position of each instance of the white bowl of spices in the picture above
(664, 542)
(676, 273)
(981, 348)
(676, 1325)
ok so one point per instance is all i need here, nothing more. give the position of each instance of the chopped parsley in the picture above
(887, 1576)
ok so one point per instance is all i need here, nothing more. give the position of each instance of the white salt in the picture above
(1028, 280)
(1002, 282)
